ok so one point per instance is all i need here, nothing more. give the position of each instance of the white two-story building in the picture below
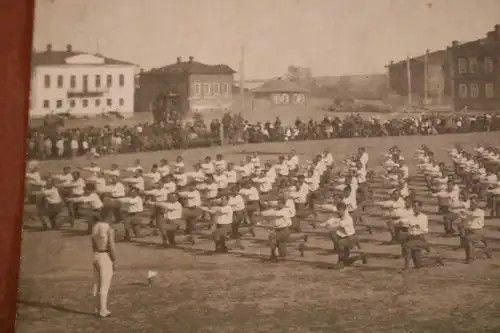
(80, 83)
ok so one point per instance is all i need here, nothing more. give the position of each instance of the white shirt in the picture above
(94, 170)
(135, 204)
(155, 176)
(92, 200)
(66, 179)
(221, 181)
(170, 187)
(245, 170)
(250, 194)
(475, 219)
(164, 170)
(172, 210)
(220, 165)
(419, 224)
(265, 184)
(113, 172)
(158, 194)
(134, 168)
(211, 190)
(364, 158)
(52, 195)
(117, 190)
(193, 198)
(237, 203)
(300, 196)
(223, 215)
(78, 187)
(208, 168)
(137, 182)
(181, 179)
(290, 205)
(328, 159)
(232, 177)
(282, 217)
(361, 175)
(313, 182)
(405, 170)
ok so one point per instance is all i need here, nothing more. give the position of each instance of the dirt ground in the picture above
(197, 291)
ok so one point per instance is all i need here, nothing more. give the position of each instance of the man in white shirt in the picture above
(115, 191)
(344, 236)
(252, 199)
(155, 174)
(313, 181)
(223, 219)
(170, 220)
(220, 163)
(113, 171)
(136, 181)
(164, 168)
(207, 166)
(299, 196)
(134, 206)
(231, 175)
(51, 204)
(418, 228)
(456, 206)
(471, 231)
(235, 200)
(94, 202)
(281, 217)
(192, 203)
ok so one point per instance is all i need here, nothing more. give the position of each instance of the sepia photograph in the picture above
(226, 166)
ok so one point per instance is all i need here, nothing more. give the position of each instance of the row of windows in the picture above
(211, 89)
(47, 81)
(471, 65)
(472, 90)
(84, 103)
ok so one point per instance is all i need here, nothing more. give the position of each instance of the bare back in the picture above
(100, 237)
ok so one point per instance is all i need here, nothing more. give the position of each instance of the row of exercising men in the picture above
(205, 183)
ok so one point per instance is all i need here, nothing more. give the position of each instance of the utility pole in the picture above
(408, 75)
(426, 75)
(242, 77)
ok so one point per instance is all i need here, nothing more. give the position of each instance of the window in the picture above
(197, 89)
(46, 104)
(85, 103)
(217, 89)
(109, 80)
(46, 81)
(226, 89)
(98, 81)
(58, 104)
(121, 80)
(109, 102)
(85, 83)
(60, 82)
(489, 90)
(462, 90)
(207, 89)
(462, 66)
(472, 65)
(97, 102)
(488, 65)
(474, 90)
(121, 101)
(72, 103)
(72, 81)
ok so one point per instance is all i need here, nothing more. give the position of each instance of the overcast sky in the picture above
(333, 37)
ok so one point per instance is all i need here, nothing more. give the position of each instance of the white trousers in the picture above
(103, 272)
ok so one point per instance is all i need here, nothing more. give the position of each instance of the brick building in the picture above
(200, 86)
(438, 76)
(476, 72)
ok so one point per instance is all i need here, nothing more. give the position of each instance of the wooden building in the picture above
(201, 87)
(279, 92)
(476, 72)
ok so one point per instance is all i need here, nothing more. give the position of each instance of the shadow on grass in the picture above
(49, 306)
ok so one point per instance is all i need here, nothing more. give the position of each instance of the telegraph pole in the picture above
(242, 79)
(408, 75)
(426, 75)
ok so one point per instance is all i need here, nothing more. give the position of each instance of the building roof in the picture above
(56, 58)
(436, 56)
(193, 67)
(279, 85)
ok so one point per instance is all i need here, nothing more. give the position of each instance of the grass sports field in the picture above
(238, 292)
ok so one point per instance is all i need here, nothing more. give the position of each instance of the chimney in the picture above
(491, 36)
(455, 43)
(191, 58)
(497, 31)
(49, 48)
(69, 48)
(179, 59)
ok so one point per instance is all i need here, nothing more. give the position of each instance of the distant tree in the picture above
(298, 74)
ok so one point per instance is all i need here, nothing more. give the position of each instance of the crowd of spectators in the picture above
(57, 142)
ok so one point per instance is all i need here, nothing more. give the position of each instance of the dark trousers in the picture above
(250, 208)
(469, 239)
(53, 211)
(278, 240)
(345, 245)
(191, 216)
(168, 230)
(412, 250)
(132, 224)
(449, 219)
(219, 235)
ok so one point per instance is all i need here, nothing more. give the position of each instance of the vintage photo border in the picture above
(16, 19)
